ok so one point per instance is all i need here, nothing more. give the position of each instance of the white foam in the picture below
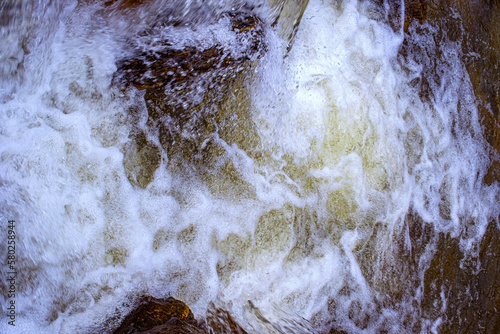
(350, 145)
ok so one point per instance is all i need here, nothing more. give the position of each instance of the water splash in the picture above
(309, 206)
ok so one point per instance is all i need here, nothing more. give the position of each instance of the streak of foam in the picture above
(348, 147)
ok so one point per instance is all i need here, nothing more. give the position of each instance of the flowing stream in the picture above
(299, 221)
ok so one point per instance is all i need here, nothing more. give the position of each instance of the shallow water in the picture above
(304, 209)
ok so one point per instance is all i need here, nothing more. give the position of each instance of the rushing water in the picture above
(303, 214)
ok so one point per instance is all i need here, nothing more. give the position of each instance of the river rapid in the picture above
(301, 222)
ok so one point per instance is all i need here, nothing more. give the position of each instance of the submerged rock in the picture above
(196, 94)
(196, 101)
(476, 26)
(287, 14)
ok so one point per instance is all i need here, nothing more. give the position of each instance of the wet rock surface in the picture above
(221, 321)
(170, 315)
(196, 102)
(459, 289)
(462, 289)
(469, 286)
(287, 14)
(196, 96)
(476, 26)
(429, 270)
(154, 315)
(415, 10)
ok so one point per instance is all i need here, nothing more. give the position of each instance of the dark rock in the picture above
(469, 286)
(477, 29)
(337, 331)
(471, 294)
(175, 326)
(125, 3)
(159, 316)
(221, 322)
(286, 14)
(415, 10)
(493, 174)
(155, 315)
(462, 289)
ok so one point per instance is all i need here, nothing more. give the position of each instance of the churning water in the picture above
(295, 225)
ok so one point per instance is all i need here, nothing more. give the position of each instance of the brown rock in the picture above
(175, 326)
(195, 96)
(493, 174)
(221, 322)
(477, 28)
(415, 10)
(125, 3)
(161, 316)
(470, 286)
(192, 96)
(337, 331)
(153, 312)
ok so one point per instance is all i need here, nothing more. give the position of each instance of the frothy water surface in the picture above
(344, 144)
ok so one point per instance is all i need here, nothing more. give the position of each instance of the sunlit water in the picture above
(347, 147)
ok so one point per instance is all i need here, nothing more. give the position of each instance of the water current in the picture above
(297, 217)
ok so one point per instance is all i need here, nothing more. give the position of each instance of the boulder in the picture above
(154, 315)
(196, 97)
(193, 97)
(159, 316)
